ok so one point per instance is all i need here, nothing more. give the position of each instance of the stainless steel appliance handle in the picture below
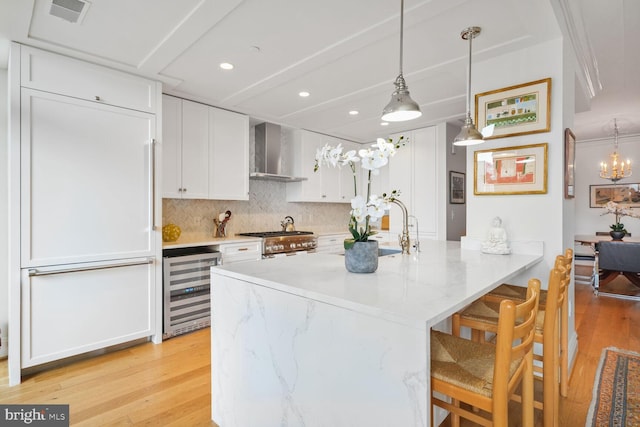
(152, 169)
(35, 272)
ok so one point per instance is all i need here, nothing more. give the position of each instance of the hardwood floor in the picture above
(169, 384)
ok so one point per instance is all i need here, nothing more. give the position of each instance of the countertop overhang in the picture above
(417, 290)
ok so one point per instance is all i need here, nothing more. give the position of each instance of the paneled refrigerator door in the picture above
(85, 307)
(86, 181)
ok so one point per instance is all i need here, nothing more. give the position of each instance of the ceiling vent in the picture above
(69, 10)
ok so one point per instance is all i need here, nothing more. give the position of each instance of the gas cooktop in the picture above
(276, 233)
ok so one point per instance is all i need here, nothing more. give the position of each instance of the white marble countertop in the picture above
(410, 289)
(203, 239)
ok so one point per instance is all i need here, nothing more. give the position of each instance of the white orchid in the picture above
(619, 211)
(369, 208)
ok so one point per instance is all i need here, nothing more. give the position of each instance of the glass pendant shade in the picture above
(401, 107)
(469, 135)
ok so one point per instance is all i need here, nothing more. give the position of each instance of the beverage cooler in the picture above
(186, 289)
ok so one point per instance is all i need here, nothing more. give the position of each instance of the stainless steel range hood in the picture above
(268, 155)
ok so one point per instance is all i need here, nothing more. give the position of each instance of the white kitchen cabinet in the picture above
(185, 147)
(331, 243)
(55, 73)
(238, 252)
(84, 208)
(205, 151)
(303, 155)
(228, 155)
(85, 180)
(328, 184)
(414, 170)
(65, 314)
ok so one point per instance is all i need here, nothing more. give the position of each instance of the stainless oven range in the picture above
(281, 243)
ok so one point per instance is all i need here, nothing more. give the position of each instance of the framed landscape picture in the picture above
(515, 110)
(456, 187)
(511, 170)
(624, 194)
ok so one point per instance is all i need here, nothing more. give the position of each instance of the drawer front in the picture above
(55, 73)
(234, 252)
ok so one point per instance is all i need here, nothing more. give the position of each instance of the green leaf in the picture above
(348, 243)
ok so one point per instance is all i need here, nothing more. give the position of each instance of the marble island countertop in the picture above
(299, 340)
(426, 286)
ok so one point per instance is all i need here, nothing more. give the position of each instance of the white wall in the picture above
(525, 217)
(4, 211)
(588, 157)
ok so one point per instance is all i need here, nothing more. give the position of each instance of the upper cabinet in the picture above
(228, 155)
(414, 171)
(205, 151)
(54, 73)
(185, 149)
(328, 184)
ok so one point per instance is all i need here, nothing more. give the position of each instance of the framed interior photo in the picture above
(515, 110)
(511, 170)
(624, 194)
(456, 187)
(569, 160)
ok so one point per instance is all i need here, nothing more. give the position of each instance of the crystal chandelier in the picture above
(617, 170)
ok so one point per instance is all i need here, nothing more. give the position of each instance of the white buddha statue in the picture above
(496, 242)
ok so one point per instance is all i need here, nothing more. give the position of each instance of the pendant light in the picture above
(469, 135)
(401, 107)
(619, 169)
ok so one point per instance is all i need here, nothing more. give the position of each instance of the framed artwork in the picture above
(456, 187)
(625, 194)
(511, 170)
(515, 110)
(569, 160)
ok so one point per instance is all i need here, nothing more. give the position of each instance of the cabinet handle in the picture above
(152, 169)
(242, 249)
(98, 98)
(34, 272)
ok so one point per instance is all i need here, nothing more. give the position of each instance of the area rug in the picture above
(616, 390)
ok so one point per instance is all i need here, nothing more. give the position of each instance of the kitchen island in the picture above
(301, 341)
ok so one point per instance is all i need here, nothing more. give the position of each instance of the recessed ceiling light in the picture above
(384, 124)
(354, 112)
(304, 94)
(226, 66)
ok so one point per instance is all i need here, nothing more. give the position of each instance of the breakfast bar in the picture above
(301, 341)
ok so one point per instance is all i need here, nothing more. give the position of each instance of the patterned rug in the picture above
(616, 390)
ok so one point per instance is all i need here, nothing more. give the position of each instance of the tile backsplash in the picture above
(265, 209)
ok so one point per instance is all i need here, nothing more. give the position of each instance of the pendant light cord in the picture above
(401, 31)
(470, 36)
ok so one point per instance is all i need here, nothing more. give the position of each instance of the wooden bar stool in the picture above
(483, 375)
(483, 315)
(518, 293)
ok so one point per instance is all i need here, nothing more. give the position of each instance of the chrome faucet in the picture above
(405, 244)
(417, 243)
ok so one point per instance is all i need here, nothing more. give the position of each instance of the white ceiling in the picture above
(345, 53)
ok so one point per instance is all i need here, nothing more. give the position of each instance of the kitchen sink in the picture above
(388, 251)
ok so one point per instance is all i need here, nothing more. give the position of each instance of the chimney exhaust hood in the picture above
(268, 155)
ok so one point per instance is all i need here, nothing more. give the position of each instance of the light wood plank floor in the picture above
(169, 384)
